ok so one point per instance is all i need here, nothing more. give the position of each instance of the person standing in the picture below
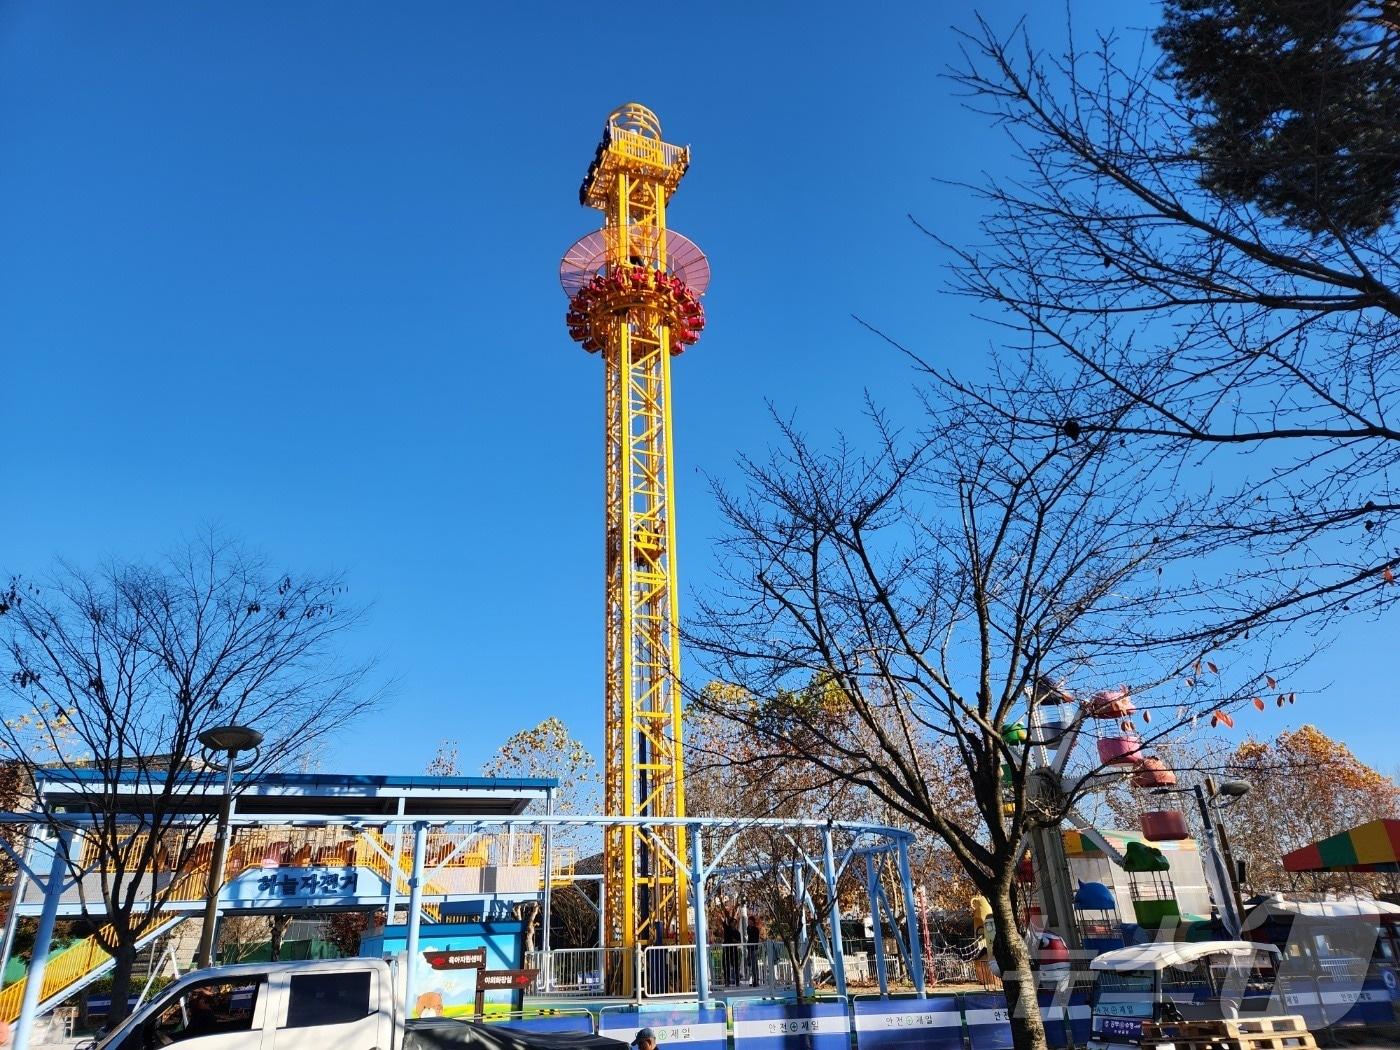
(731, 952)
(754, 936)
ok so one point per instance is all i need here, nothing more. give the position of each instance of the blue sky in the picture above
(291, 268)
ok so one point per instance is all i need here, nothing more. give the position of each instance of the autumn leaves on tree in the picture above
(1306, 787)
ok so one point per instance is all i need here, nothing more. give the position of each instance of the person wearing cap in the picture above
(645, 1039)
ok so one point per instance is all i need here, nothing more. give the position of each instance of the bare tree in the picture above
(731, 773)
(1214, 329)
(138, 660)
(238, 935)
(929, 590)
(445, 761)
(547, 750)
(791, 899)
(574, 913)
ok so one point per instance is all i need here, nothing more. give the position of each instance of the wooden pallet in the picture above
(1230, 1027)
(1292, 1041)
(1286, 1032)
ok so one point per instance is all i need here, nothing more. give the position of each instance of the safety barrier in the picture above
(738, 965)
(1298, 995)
(988, 1021)
(1080, 1018)
(1054, 1015)
(670, 968)
(966, 1021)
(1342, 968)
(969, 1021)
(1065, 1013)
(934, 1023)
(697, 1027)
(939, 1021)
(791, 1026)
(1327, 1003)
(1355, 1003)
(582, 972)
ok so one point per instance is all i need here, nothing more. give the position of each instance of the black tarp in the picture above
(431, 1033)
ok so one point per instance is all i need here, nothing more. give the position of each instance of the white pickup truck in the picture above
(354, 1004)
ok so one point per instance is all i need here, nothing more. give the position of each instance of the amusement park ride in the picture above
(1075, 873)
(634, 291)
(464, 858)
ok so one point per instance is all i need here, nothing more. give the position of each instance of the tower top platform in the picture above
(631, 145)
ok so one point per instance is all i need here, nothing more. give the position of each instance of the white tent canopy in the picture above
(1160, 954)
(1335, 908)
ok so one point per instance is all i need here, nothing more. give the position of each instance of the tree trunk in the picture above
(529, 916)
(279, 929)
(797, 960)
(123, 959)
(1027, 1031)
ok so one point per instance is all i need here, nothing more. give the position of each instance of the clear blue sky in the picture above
(291, 268)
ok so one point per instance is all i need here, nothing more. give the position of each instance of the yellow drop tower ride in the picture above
(634, 289)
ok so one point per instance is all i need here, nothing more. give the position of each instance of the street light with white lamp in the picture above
(228, 741)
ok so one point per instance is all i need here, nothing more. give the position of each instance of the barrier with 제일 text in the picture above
(934, 1023)
(694, 1027)
(1347, 1003)
(988, 1021)
(791, 1026)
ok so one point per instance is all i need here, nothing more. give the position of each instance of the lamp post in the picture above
(1232, 791)
(1207, 798)
(229, 741)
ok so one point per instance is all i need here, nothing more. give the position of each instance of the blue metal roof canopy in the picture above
(307, 794)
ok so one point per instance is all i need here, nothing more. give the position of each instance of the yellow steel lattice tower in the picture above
(634, 290)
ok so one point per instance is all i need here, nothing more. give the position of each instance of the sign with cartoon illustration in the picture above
(451, 956)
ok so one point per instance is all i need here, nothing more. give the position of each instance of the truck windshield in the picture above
(212, 1007)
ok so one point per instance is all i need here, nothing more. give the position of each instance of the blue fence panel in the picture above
(791, 1026)
(100, 1005)
(988, 1021)
(697, 1027)
(1352, 1003)
(1259, 1006)
(567, 1023)
(1300, 996)
(1081, 1018)
(1054, 1015)
(934, 1023)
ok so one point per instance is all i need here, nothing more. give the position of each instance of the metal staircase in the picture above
(80, 964)
(76, 967)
